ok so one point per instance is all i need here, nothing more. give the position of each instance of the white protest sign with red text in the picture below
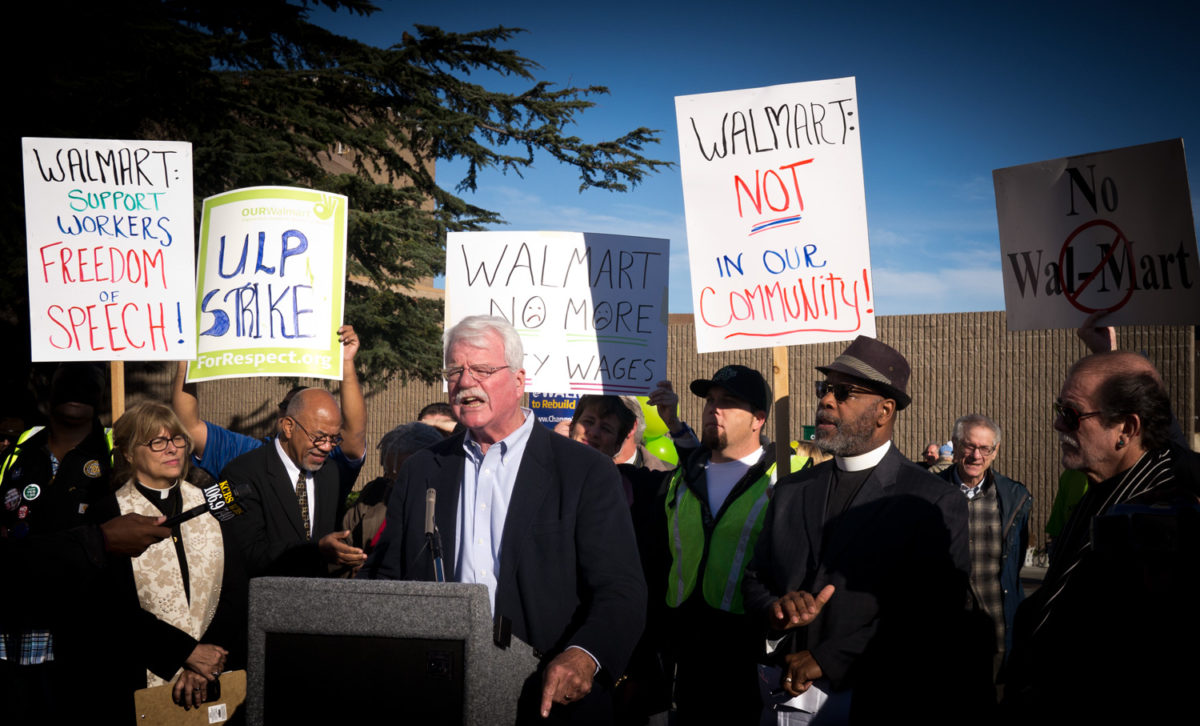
(1110, 231)
(776, 215)
(110, 249)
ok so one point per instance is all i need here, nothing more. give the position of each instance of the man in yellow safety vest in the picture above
(715, 504)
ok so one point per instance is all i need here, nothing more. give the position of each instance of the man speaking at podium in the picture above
(538, 518)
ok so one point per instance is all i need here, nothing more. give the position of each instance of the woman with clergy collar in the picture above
(181, 604)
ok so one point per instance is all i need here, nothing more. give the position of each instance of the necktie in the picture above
(302, 496)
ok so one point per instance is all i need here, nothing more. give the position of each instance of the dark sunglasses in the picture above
(842, 391)
(1070, 416)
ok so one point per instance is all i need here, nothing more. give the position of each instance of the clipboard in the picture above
(154, 705)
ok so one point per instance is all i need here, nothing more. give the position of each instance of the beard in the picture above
(713, 439)
(850, 437)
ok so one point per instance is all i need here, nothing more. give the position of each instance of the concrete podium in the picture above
(422, 651)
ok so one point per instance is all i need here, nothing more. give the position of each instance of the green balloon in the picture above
(663, 448)
(655, 426)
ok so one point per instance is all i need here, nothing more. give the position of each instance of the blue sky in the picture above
(948, 91)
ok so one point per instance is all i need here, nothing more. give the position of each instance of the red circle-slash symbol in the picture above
(1119, 240)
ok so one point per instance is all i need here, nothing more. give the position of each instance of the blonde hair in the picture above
(812, 451)
(139, 424)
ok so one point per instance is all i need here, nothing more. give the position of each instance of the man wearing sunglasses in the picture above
(998, 515)
(1121, 591)
(295, 499)
(860, 573)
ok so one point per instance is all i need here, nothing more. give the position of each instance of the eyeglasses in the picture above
(478, 372)
(159, 443)
(1071, 416)
(331, 439)
(842, 391)
(972, 448)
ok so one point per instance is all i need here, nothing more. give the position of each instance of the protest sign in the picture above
(776, 215)
(272, 278)
(551, 409)
(591, 308)
(1109, 231)
(108, 226)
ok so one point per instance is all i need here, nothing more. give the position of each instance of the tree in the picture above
(264, 96)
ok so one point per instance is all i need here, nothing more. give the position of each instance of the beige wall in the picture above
(961, 363)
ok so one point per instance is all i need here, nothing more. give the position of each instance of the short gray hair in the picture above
(973, 420)
(639, 423)
(473, 331)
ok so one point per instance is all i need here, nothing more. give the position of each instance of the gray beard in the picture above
(849, 439)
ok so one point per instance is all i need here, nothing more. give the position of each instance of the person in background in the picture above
(813, 453)
(440, 415)
(929, 457)
(296, 499)
(215, 447)
(49, 480)
(998, 518)
(945, 458)
(604, 423)
(10, 430)
(364, 519)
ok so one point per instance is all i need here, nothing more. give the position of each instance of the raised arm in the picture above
(666, 400)
(354, 408)
(187, 408)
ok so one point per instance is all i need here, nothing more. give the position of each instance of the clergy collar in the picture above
(162, 493)
(863, 461)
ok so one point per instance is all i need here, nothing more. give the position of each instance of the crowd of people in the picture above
(713, 589)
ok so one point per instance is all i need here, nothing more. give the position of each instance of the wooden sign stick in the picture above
(116, 371)
(783, 432)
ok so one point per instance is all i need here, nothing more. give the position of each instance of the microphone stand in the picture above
(434, 540)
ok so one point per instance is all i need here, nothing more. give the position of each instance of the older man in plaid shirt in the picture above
(998, 517)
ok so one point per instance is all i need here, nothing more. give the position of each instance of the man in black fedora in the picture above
(860, 573)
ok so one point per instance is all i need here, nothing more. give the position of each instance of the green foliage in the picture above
(267, 97)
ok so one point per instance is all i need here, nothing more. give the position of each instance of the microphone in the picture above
(220, 499)
(432, 536)
(430, 503)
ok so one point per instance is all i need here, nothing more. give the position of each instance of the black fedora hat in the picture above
(877, 364)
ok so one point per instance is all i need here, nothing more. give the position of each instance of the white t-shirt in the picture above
(722, 477)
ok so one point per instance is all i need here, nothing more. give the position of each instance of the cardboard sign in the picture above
(110, 249)
(1110, 231)
(271, 284)
(591, 308)
(776, 215)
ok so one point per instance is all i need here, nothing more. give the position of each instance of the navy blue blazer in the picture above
(569, 568)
